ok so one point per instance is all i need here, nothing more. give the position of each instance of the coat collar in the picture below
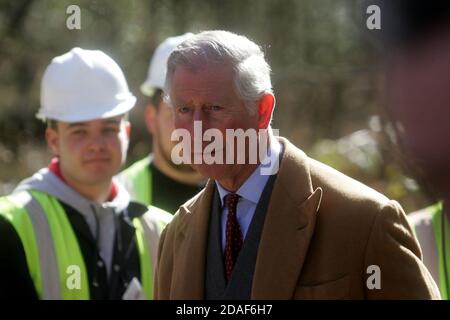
(289, 225)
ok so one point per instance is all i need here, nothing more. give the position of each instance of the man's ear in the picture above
(150, 118)
(51, 136)
(127, 126)
(265, 109)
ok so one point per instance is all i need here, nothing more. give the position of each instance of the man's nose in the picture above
(202, 117)
(199, 115)
(97, 143)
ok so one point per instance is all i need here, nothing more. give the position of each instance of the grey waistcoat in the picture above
(240, 284)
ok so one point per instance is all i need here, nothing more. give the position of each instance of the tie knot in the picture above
(231, 200)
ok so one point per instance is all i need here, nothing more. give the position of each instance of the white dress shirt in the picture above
(249, 193)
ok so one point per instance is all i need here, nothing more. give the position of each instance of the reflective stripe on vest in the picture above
(55, 264)
(423, 229)
(437, 219)
(12, 209)
(137, 180)
(47, 258)
(149, 228)
(70, 281)
(145, 259)
(73, 277)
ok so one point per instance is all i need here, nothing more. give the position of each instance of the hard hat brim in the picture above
(96, 113)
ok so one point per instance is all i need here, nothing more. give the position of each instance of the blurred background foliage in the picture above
(325, 76)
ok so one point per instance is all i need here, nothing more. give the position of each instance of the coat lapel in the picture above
(289, 225)
(190, 253)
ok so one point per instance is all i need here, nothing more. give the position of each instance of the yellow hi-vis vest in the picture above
(137, 179)
(433, 232)
(52, 251)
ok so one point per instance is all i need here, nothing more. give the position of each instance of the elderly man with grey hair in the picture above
(301, 230)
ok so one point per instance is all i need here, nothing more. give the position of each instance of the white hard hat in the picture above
(158, 65)
(83, 85)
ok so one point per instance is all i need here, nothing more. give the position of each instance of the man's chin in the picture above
(212, 171)
(99, 173)
(185, 168)
(99, 177)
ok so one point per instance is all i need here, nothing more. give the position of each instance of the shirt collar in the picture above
(253, 187)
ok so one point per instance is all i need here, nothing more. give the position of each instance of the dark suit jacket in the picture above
(322, 231)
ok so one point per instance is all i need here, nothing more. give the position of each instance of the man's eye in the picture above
(214, 108)
(110, 130)
(79, 132)
(183, 109)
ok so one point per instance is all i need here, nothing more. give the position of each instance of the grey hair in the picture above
(251, 70)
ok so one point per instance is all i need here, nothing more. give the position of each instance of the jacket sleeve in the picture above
(16, 282)
(393, 251)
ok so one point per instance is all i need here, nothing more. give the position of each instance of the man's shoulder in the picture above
(347, 199)
(12, 213)
(196, 199)
(345, 202)
(14, 202)
(190, 205)
(339, 190)
(342, 187)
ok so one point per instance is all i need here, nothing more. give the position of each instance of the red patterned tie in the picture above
(234, 237)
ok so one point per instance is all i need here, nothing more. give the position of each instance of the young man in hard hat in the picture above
(156, 179)
(70, 231)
